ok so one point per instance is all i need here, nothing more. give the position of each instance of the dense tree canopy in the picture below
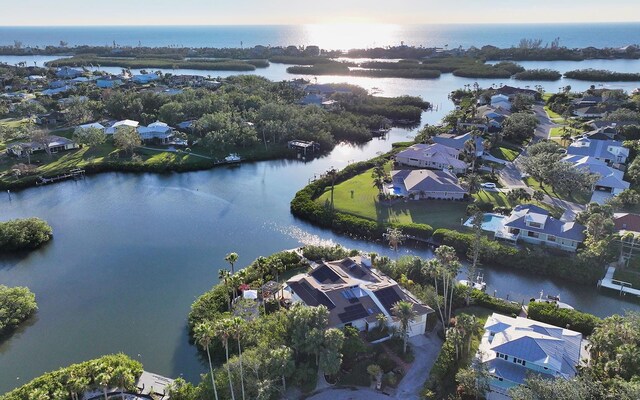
(16, 305)
(23, 234)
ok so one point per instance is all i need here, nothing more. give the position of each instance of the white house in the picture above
(126, 122)
(513, 348)
(458, 142)
(435, 156)
(610, 182)
(355, 293)
(427, 184)
(500, 101)
(157, 130)
(95, 125)
(533, 224)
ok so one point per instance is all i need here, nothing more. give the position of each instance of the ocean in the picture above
(336, 37)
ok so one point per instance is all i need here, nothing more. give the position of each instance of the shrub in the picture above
(538, 75)
(493, 303)
(442, 376)
(562, 317)
(16, 305)
(329, 253)
(23, 234)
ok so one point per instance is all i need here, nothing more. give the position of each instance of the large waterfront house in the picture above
(532, 224)
(433, 156)
(125, 122)
(514, 348)
(427, 184)
(354, 293)
(56, 144)
(458, 142)
(609, 151)
(156, 131)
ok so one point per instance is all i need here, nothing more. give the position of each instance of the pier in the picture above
(623, 288)
(75, 174)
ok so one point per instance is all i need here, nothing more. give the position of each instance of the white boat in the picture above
(552, 300)
(478, 283)
(233, 158)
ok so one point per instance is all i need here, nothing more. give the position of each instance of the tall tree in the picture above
(126, 138)
(89, 136)
(224, 331)
(403, 310)
(237, 330)
(281, 361)
(231, 258)
(204, 333)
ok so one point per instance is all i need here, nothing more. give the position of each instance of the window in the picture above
(533, 234)
(535, 224)
(551, 238)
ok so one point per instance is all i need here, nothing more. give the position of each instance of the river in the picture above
(131, 252)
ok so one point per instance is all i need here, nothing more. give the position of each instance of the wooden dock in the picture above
(75, 174)
(623, 288)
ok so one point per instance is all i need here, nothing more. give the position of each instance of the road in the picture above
(544, 127)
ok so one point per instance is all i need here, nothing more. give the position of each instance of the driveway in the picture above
(511, 177)
(426, 350)
(545, 124)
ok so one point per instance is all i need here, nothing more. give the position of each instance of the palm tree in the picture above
(237, 329)
(281, 360)
(104, 379)
(332, 174)
(76, 384)
(223, 330)
(204, 333)
(231, 258)
(395, 237)
(223, 275)
(382, 321)
(473, 182)
(125, 378)
(403, 310)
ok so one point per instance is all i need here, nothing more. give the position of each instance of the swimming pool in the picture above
(490, 222)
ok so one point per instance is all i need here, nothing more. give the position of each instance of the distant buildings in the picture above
(55, 144)
(514, 348)
(355, 293)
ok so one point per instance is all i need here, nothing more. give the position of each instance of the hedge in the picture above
(538, 259)
(575, 320)
(493, 303)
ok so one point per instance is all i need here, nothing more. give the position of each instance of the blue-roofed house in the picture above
(609, 151)
(457, 142)
(145, 78)
(533, 224)
(610, 180)
(514, 348)
(108, 82)
(68, 73)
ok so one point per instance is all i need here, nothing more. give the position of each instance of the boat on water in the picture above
(550, 299)
(478, 283)
(233, 158)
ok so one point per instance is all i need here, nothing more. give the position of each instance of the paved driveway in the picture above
(426, 350)
(545, 124)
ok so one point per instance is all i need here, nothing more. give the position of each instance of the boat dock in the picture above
(75, 174)
(623, 288)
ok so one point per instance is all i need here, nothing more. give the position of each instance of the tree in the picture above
(395, 237)
(330, 357)
(223, 330)
(379, 175)
(332, 174)
(126, 138)
(521, 102)
(103, 379)
(473, 182)
(515, 195)
(375, 372)
(223, 275)
(473, 381)
(124, 377)
(231, 258)
(444, 267)
(281, 361)
(41, 137)
(17, 304)
(520, 126)
(237, 330)
(89, 136)
(476, 245)
(204, 333)
(79, 110)
(538, 195)
(77, 383)
(403, 310)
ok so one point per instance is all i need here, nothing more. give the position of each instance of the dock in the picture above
(303, 146)
(623, 288)
(74, 174)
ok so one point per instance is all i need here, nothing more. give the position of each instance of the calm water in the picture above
(132, 251)
(329, 36)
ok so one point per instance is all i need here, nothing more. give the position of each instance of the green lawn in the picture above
(499, 199)
(558, 131)
(580, 198)
(554, 116)
(504, 153)
(481, 313)
(359, 197)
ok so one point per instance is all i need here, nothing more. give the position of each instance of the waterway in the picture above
(131, 252)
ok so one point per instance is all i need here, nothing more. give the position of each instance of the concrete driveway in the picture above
(426, 350)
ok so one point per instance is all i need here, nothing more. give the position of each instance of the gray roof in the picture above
(594, 148)
(609, 177)
(552, 226)
(436, 153)
(428, 180)
(458, 142)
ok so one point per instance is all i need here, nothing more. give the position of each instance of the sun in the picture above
(351, 35)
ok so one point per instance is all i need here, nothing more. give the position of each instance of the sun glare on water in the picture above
(355, 35)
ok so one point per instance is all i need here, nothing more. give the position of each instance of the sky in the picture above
(268, 12)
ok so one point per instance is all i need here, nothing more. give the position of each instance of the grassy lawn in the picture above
(628, 275)
(554, 116)
(359, 197)
(481, 313)
(504, 153)
(558, 131)
(579, 198)
(499, 199)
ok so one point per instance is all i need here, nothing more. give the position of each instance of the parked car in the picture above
(489, 185)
